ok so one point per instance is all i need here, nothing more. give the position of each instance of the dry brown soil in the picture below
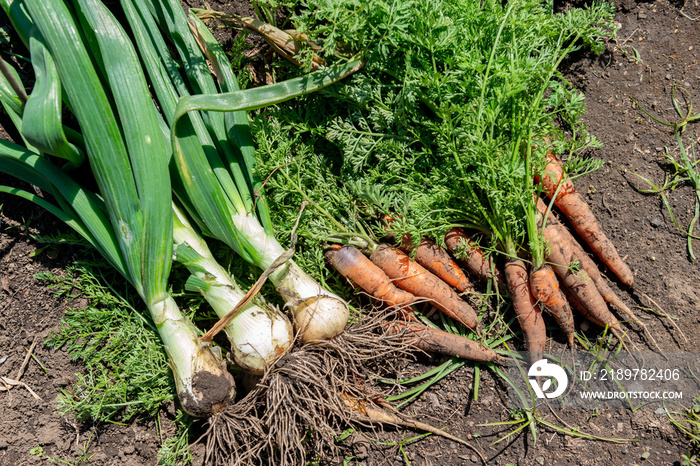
(666, 37)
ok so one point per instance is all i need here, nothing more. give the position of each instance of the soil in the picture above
(657, 46)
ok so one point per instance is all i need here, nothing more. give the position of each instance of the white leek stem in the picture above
(318, 313)
(203, 384)
(258, 334)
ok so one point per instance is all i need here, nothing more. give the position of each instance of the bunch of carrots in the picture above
(568, 277)
(454, 158)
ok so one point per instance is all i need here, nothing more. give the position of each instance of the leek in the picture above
(258, 334)
(218, 190)
(131, 223)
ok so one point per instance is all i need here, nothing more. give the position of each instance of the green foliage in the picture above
(175, 450)
(434, 129)
(688, 424)
(685, 167)
(126, 370)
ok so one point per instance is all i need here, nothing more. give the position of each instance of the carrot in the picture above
(438, 341)
(561, 256)
(438, 261)
(589, 266)
(434, 258)
(468, 252)
(414, 278)
(576, 210)
(545, 289)
(354, 265)
(525, 306)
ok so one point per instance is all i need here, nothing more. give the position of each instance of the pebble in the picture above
(655, 222)
(474, 459)
(129, 450)
(540, 460)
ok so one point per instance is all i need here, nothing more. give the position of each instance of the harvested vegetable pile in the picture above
(446, 140)
(443, 142)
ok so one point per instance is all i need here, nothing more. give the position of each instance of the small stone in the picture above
(668, 452)
(474, 459)
(655, 222)
(453, 446)
(128, 450)
(660, 411)
(540, 460)
(668, 76)
(3, 444)
(361, 451)
(434, 399)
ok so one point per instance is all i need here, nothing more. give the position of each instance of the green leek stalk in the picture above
(214, 154)
(121, 137)
(258, 334)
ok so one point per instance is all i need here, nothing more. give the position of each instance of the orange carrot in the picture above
(438, 341)
(525, 306)
(432, 257)
(576, 210)
(545, 289)
(470, 254)
(589, 266)
(414, 278)
(354, 265)
(561, 256)
(438, 261)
